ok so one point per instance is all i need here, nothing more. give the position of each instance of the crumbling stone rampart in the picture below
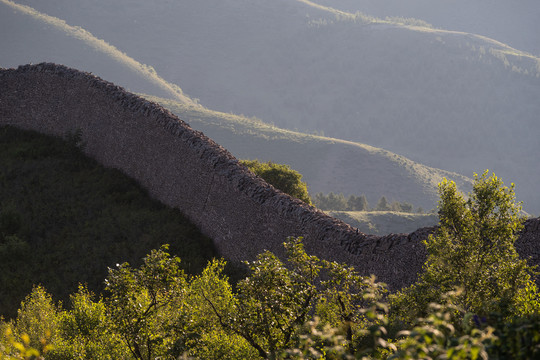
(185, 169)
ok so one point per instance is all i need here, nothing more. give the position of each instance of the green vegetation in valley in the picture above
(338, 202)
(385, 218)
(280, 176)
(308, 308)
(64, 219)
(385, 222)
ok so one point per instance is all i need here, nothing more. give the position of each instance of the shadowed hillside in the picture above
(447, 99)
(65, 220)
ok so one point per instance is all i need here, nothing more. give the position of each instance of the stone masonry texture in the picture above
(185, 169)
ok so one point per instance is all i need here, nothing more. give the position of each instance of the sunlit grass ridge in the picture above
(516, 60)
(148, 72)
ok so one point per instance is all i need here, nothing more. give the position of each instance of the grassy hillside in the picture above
(447, 99)
(64, 219)
(326, 164)
(385, 222)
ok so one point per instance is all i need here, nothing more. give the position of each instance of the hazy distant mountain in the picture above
(450, 100)
(515, 23)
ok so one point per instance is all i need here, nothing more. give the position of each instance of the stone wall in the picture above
(184, 169)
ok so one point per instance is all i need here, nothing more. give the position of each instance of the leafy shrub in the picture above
(280, 176)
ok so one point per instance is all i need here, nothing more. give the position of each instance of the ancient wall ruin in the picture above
(185, 169)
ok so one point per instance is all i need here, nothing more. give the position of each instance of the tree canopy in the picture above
(280, 176)
(473, 250)
(301, 308)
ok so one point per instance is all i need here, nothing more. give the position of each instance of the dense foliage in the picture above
(282, 177)
(338, 202)
(64, 219)
(306, 308)
(158, 311)
(475, 300)
(474, 250)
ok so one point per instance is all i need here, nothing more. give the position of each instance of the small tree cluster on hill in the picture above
(338, 202)
(384, 205)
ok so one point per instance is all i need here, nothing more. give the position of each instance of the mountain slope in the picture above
(327, 164)
(512, 22)
(447, 99)
(30, 36)
(185, 169)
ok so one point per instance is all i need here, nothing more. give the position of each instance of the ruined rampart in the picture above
(184, 169)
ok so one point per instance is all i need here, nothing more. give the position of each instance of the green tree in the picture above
(473, 250)
(280, 176)
(401, 207)
(353, 304)
(382, 205)
(18, 347)
(86, 330)
(146, 304)
(274, 302)
(435, 337)
(319, 200)
(38, 317)
(212, 307)
(331, 201)
(357, 203)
